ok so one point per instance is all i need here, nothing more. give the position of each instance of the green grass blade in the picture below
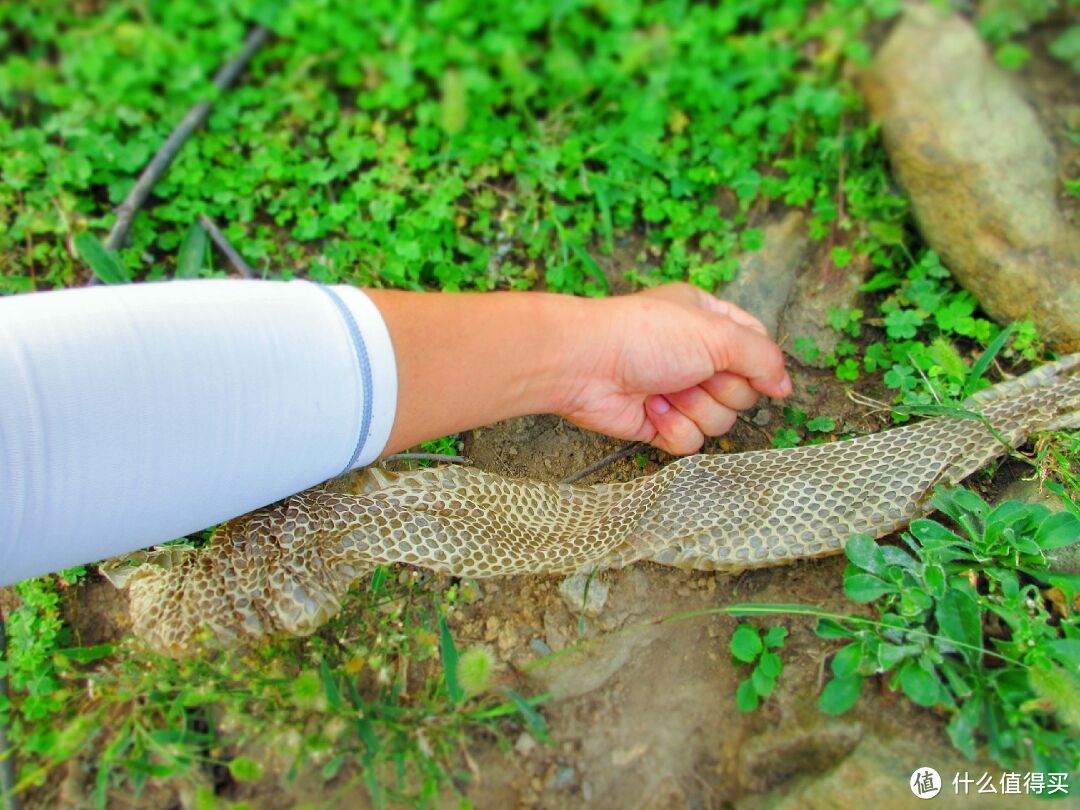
(535, 721)
(978, 368)
(192, 253)
(105, 264)
(450, 662)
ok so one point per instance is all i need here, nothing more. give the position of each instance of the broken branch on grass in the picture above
(192, 120)
(225, 246)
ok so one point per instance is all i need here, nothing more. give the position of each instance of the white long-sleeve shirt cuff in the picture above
(135, 414)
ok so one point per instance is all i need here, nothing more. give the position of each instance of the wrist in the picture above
(568, 352)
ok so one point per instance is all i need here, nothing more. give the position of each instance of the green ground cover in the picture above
(437, 144)
(459, 145)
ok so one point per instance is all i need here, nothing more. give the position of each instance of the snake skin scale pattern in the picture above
(285, 568)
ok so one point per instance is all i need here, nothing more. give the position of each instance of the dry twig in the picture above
(225, 246)
(611, 458)
(191, 121)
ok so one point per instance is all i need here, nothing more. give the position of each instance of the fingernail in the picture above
(785, 384)
(659, 405)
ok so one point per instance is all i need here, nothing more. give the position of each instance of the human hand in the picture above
(670, 366)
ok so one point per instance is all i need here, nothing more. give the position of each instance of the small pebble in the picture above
(564, 776)
(525, 744)
(763, 417)
(540, 647)
(572, 589)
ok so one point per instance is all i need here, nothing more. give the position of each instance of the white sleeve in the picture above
(135, 414)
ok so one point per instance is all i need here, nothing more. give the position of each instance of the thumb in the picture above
(745, 351)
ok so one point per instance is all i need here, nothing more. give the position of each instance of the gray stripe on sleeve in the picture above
(360, 349)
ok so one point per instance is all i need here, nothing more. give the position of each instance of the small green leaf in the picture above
(889, 655)
(1012, 56)
(841, 256)
(752, 238)
(830, 628)
(840, 694)
(245, 769)
(821, 424)
(932, 534)
(786, 437)
(771, 664)
(865, 588)
(774, 636)
(745, 643)
(919, 685)
(962, 727)
(934, 576)
(958, 618)
(845, 662)
(1067, 650)
(105, 265)
(848, 370)
(764, 683)
(746, 697)
(192, 253)
(862, 551)
(1058, 530)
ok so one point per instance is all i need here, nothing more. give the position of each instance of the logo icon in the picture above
(925, 783)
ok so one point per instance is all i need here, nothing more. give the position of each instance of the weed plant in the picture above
(379, 697)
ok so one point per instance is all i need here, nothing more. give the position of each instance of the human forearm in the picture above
(470, 359)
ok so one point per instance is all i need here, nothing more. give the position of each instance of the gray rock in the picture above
(573, 592)
(540, 647)
(1029, 491)
(981, 174)
(816, 291)
(763, 417)
(525, 744)
(877, 775)
(766, 276)
(564, 775)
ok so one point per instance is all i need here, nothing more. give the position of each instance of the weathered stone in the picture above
(816, 291)
(766, 275)
(981, 174)
(878, 775)
(583, 595)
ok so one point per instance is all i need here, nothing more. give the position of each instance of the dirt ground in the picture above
(646, 718)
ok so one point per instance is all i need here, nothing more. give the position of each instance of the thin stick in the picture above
(7, 753)
(426, 457)
(611, 458)
(194, 119)
(225, 246)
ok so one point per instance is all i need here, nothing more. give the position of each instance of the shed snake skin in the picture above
(286, 567)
